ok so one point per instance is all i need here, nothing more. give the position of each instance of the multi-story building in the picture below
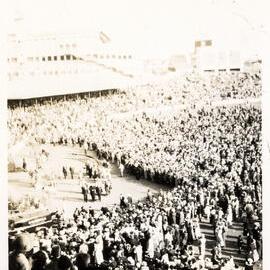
(63, 63)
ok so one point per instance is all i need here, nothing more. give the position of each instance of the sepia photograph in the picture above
(134, 135)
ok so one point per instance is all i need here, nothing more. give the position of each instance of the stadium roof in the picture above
(52, 85)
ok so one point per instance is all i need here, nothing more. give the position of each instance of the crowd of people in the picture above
(162, 232)
(209, 142)
(209, 155)
(40, 122)
(25, 203)
(95, 189)
(97, 179)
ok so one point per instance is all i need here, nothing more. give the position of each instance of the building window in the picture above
(49, 58)
(30, 59)
(129, 57)
(95, 56)
(108, 57)
(43, 59)
(67, 46)
(124, 57)
(119, 57)
(61, 46)
(68, 57)
(14, 59)
(62, 57)
(55, 58)
(113, 56)
(74, 57)
(73, 45)
(101, 56)
(37, 59)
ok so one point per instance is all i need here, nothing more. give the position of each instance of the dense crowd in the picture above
(161, 233)
(41, 122)
(209, 142)
(211, 156)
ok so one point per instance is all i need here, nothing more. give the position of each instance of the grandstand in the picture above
(62, 64)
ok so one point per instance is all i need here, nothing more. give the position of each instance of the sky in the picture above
(150, 27)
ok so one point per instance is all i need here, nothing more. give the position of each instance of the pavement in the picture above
(67, 193)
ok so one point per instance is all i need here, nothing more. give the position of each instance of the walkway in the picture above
(67, 194)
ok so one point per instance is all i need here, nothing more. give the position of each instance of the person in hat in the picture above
(98, 247)
(82, 261)
(249, 264)
(92, 192)
(98, 192)
(144, 266)
(84, 189)
(40, 259)
(71, 170)
(17, 259)
(55, 255)
(121, 169)
(64, 263)
(216, 254)
(202, 242)
(64, 172)
(24, 164)
(240, 243)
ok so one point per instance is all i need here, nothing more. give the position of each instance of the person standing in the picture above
(17, 259)
(149, 195)
(65, 172)
(92, 193)
(121, 168)
(138, 253)
(150, 245)
(216, 254)
(55, 255)
(98, 192)
(202, 242)
(98, 249)
(249, 264)
(71, 170)
(24, 164)
(85, 147)
(240, 243)
(85, 192)
(108, 187)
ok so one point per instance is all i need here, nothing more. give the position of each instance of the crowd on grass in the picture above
(209, 155)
